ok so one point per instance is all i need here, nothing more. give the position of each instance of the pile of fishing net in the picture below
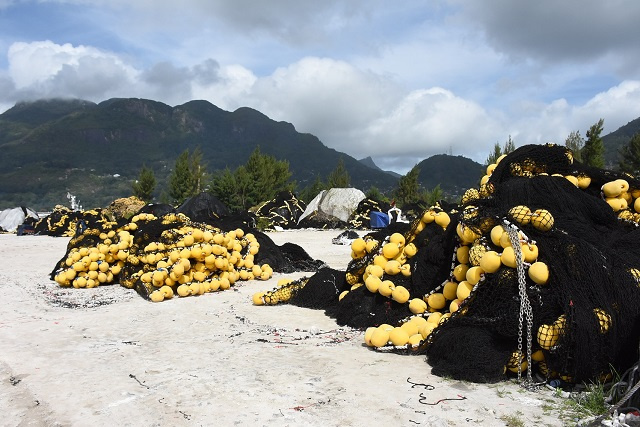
(535, 271)
(360, 219)
(283, 211)
(171, 255)
(64, 222)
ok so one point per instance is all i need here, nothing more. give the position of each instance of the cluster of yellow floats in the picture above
(194, 259)
(472, 262)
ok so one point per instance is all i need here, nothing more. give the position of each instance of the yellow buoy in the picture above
(449, 290)
(368, 334)
(460, 272)
(436, 301)
(410, 328)
(398, 337)
(400, 294)
(547, 336)
(410, 250)
(490, 262)
(442, 219)
(184, 290)
(464, 290)
(379, 337)
(537, 356)
(521, 214)
(427, 328)
(455, 304)
(462, 254)
(386, 288)
(474, 274)
(508, 257)
(414, 340)
(572, 179)
(529, 252)
(417, 306)
(539, 273)
(392, 267)
(373, 283)
(542, 219)
(604, 319)
(434, 317)
(397, 238)
(390, 250)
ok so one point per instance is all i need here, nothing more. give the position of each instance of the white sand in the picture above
(214, 360)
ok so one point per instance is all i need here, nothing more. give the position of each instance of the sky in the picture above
(397, 81)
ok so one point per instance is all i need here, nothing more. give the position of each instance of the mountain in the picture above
(454, 174)
(614, 142)
(94, 151)
(368, 161)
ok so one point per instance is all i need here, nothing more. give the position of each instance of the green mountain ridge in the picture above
(94, 151)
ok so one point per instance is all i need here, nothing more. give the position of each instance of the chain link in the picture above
(526, 312)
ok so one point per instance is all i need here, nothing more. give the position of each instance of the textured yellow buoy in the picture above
(508, 257)
(449, 290)
(547, 336)
(380, 337)
(417, 306)
(464, 290)
(542, 219)
(490, 262)
(400, 294)
(539, 273)
(521, 214)
(436, 301)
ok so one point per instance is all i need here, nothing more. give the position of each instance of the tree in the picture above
(509, 146)
(630, 155)
(574, 142)
(268, 177)
(145, 184)
(198, 171)
(181, 181)
(188, 177)
(375, 194)
(493, 157)
(311, 191)
(433, 196)
(593, 150)
(408, 190)
(339, 177)
(260, 179)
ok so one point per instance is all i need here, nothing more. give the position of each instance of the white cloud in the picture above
(48, 70)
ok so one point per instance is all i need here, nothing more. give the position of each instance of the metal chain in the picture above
(526, 312)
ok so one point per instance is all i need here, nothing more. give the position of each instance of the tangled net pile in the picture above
(160, 257)
(537, 270)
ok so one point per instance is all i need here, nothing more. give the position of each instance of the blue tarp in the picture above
(379, 219)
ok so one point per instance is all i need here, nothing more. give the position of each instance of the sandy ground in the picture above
(106, 357)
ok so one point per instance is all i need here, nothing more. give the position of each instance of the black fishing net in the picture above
(361, 218)
(160, 257)
(322, 221)
(283, 211)
(62, 221)
(536, 270)
(203, 207)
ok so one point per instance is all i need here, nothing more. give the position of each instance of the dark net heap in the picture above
(535, 271)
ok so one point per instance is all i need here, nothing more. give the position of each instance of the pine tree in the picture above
(408, 189)
(574, 142)
(339, 177)
(509, 146)
(630, 155)
(493, 157)
(181, 181)
(145, 184)
(593, 150)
